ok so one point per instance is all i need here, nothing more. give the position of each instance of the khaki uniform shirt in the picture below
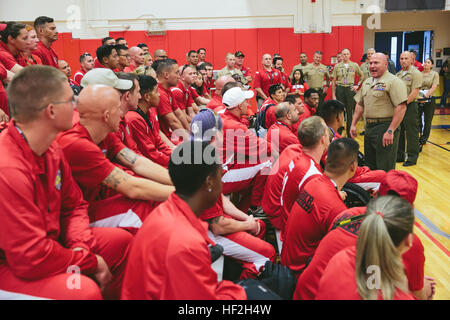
(429, 79)
(379, 99)
(365, 70)
(345, 76)
(227, 72)
(314, 75)
(299, 66)
(412, 79)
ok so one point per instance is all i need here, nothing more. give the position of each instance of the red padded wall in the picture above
(253, 42)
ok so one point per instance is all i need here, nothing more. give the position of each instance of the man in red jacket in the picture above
(318, 203)
(282, 133)
(45, 235)
(117, 198)
(170, 259)
(245, 157)
(47, 33)
(144, 126)
(264, 78)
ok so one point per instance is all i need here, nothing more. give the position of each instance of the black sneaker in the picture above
(257, 212)
(216, 252)
(409, 164)
(363, 133)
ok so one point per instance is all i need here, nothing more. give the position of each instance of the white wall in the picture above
(95, 15)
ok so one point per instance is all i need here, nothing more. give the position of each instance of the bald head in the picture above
(137, 55)
(65, 68)
(378, 65)
(95, 100)
(267, 60)
(405, 60)
(160, 54)
(221, 82)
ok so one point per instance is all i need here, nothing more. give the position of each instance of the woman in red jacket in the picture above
(299, 85)
(375, 263)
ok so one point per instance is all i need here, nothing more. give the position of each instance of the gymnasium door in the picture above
(392, 43)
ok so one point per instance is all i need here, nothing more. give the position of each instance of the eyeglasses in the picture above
(73, 100)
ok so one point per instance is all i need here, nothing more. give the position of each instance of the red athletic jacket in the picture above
(147, 138)
(274, 184)
(42, 212)
(170, 259)
(339, 283)
(215, 102)
(344, 237)
(284, 135)
(182, 96)
(48, 56)
(310, 219)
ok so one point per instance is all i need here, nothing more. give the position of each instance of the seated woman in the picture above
(170, 259)
(373, 270)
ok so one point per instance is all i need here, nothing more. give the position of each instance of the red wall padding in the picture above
(253, 42)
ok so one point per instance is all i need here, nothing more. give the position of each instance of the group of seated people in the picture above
(118, 184)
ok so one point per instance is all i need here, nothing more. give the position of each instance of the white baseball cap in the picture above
(235, 96)
(105, 77)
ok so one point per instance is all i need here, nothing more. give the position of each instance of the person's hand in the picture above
(254, 225)
(333, 97)
(3, 116)
(427, 95)
(343, 195)
(388, 139)
(102, 275)
(430, 287)
(353, 131)
(355, 88)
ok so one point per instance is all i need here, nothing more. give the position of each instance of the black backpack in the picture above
(260, 121)
(280, 279)
(356, 196)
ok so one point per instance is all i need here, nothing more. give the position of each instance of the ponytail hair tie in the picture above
(380, 214)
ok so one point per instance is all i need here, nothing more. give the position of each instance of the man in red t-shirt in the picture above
(13, 43)
(318, 203)
(170, 116)
(344, 233)
(217, 96)
(47, 33)
(278, 64)
(45, 235)
(182, 94)
(143, 124)
(311, 101)
(108, 57)
(297, 101)
(282, 133)
(87, 64)
(209, 82)
(137, 56)
(264, 78)
(124, 58)
(117, 199)
(276, 96)
(415, 62)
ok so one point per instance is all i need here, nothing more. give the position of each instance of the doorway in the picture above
(394, 43)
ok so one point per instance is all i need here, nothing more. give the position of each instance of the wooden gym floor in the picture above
(433, 202)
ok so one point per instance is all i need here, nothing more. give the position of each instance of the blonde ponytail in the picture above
(389, 221)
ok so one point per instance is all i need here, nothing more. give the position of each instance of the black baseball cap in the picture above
(239, 54)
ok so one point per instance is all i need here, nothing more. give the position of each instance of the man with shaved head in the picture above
(216, 100)
(264, 78)
(344, 87)
(382, 100)
(160, 54)
(409, 130)
(117, 198)
(137, 56)
(282, 133)
(65, 68)
(45, 229)
(365, 66)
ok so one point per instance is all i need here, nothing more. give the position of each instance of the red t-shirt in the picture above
(264, 79)
(311, 216)
(215, 102)
(7, 58)
(339, 280)
(124, 134)
(78, 76)
(193, 92)
(210, 86)
(419, 66)
(182, 96)
(47, 55)
(167, 104)
(281, 135)
(296, 88)
(344, 237)
(90, 163)
(274, 184)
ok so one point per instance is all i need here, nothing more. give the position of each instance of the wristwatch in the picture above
(389, 131)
